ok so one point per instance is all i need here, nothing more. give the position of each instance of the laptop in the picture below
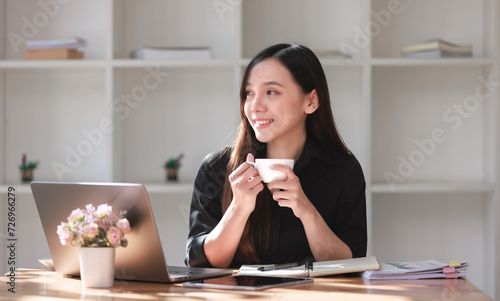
(141, 260)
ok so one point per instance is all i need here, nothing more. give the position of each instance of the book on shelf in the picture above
(418, 270)
(59, 49)
(320, 268)
(435, 54)
(70, 43)
(436, 48)
(172, 53)
(52, 54)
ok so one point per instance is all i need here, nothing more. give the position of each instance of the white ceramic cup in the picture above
(267, 174)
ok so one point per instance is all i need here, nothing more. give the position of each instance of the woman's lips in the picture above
(260, 123)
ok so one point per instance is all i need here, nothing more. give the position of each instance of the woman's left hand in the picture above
(324, 244)
(289, 193)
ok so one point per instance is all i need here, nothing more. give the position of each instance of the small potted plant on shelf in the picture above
(172, 166)
(97, 231)
(27, 169)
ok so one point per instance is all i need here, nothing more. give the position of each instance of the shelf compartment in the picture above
(262, 27)
(411, 22)
(170, 23)
(42, 20)
(450, 144)
(49, 116)
(423, 226)
(194, 112)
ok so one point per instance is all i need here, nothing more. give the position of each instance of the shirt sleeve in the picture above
(352, 226)
(206, 208)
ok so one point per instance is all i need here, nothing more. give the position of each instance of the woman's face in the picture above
(275, 105)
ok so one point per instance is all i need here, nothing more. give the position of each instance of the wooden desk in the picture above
(37, 284)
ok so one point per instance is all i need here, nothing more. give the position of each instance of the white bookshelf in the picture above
(382, 104)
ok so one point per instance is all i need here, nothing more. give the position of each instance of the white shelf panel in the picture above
(126, 63)
(423, 187)
(52, 64)
(433, 187)
(19, 188)
(164, 188)
(181, 187)
(326, 62)
(408, 62)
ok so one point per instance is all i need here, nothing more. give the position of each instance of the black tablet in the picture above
(251, 283)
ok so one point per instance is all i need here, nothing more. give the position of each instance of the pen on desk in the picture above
(308, 264)
(271, 267)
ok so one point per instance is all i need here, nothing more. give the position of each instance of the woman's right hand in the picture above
(221, 243)
(245, 184)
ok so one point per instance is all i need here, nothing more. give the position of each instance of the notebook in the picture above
(141, 260)
(318, 269)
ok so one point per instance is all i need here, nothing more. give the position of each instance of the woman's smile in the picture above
(262, 123)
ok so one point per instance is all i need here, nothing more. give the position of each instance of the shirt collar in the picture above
(313, 150)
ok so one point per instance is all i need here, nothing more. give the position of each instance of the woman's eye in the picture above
(271, 92)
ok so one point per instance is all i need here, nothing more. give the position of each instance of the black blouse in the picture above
(333, 182)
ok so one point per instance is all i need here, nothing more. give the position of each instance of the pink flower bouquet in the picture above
(93, 227)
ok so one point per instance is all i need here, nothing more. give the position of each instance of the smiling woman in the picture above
(318, 211)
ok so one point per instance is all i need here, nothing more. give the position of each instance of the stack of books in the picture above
(418, 270)
(54, 49)
(436, 48)
(172, 53)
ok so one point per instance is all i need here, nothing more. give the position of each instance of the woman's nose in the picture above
(258, 104)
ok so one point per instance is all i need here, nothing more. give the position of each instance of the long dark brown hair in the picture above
(308, 73)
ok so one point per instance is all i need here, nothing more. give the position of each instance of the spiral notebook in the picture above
(321, 268)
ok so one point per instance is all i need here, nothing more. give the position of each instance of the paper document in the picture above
(418, 270)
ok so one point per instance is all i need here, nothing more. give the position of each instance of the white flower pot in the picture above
(97, 266)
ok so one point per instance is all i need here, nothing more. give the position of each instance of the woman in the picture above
(318, 211)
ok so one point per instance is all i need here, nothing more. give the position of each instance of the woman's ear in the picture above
(312, 102)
